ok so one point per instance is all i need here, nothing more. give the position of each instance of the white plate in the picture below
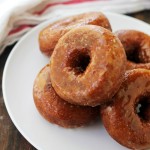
(22, 66)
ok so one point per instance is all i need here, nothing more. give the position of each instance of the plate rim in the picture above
(12, 53)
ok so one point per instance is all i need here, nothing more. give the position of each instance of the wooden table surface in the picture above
(10, 138)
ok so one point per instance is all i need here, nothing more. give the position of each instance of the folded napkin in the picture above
(19, 16)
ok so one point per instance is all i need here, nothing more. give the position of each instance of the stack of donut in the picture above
(94, 71)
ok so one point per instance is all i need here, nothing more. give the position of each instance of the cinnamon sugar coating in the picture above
(50, 35)
(84, 65)
(121, 118)
(56, 110)
(137, 47)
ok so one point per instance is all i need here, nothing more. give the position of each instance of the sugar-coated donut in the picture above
(56, 110)
(50, 35)
(122, 120)
(137, 47)
(87, 65)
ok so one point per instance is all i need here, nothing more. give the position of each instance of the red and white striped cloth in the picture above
(19, 16)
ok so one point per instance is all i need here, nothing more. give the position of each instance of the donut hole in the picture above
(133, 54)
(143, 108)
(78, 61)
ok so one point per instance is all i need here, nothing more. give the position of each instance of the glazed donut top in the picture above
(49, 36)
(124, 122)
(94, 18)
(136, 45)
(83, 65)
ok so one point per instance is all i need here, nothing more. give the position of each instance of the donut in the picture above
(130, 65)
(56, 110)
(50, 35)
(84, 65)
(121, 118)
(137, 47)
